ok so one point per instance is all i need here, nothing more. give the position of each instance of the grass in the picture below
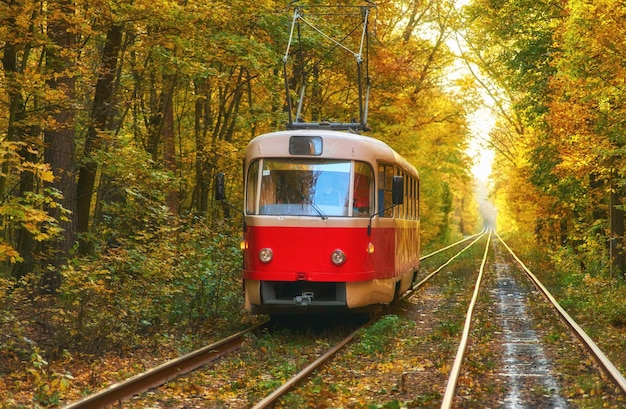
(374, 340)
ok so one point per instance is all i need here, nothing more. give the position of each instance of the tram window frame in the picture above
(409, 205)
(407, 196)
(413, 206)
(386, 172)
(409, 210)
(252, 187)
(401, 208)
(418, 201)
(412, 198)
(362, 206)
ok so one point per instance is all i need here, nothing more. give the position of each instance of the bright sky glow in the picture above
(481, 122)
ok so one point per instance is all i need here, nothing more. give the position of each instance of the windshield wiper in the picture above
(319, 211)
(310, 202)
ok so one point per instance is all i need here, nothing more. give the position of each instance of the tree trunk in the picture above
(617, 233)
(59, 141)
(202, 173)
(101, 113)
(169, 140)
(316, 96)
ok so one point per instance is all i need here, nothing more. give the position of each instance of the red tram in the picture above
(331, 223)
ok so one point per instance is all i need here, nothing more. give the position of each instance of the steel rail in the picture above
(270, 399)
(428, 277)
(451, 245)
(448, 397)
(159, 375)
(607, 366)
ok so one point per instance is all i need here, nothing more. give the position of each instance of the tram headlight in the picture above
(266, 255)
(338, 257)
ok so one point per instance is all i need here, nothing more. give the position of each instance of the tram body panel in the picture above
(304, 253)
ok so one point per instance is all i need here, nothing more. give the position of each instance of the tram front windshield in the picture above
(306, 187)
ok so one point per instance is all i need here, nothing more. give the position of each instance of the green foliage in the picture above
(394, 404)
(25, 211)
(374, 340)
(518, 35)
(588, 258)
(49, 387)
(586, 289)
(209, 282)
(448, 328)
(140, 286)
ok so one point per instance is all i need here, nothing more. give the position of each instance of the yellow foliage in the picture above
(8, 252)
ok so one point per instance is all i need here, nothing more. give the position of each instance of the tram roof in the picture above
(337, 145)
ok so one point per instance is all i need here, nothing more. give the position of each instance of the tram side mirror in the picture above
(397, 190)
(220, 195)
(220, 190)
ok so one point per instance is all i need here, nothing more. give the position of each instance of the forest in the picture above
(116, 115)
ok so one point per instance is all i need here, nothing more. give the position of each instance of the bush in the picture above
(187, 278)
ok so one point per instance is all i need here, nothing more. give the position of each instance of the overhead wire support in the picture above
(285, 58)
(293, 25)
(358, 50)
(332, 40)
(365, 19)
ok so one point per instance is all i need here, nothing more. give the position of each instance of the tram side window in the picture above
(363, 192)
(413, 199)
(399, 209)
(251, 192)
(405, 204)
(407, 196)
(416, 199)
(385, 177)
(408, 212)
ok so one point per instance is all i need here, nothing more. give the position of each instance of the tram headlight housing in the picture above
(266, 255)
(338, 257)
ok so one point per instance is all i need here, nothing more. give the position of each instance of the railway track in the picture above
(523, 354)
(607, 366)
(161, 374)
(441, 377)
